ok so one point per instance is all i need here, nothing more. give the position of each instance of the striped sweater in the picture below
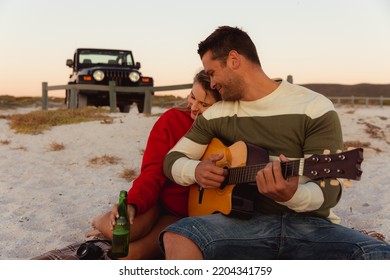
(292, 120)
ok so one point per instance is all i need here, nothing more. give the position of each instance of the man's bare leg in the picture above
(178, 247)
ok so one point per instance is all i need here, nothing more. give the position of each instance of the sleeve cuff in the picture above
(308, 197)
(183, 171)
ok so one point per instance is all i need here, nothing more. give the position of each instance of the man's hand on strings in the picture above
(272, 184)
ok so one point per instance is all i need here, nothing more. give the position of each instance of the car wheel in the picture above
(140, 106)
(124, 108)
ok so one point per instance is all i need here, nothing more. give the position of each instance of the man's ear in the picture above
(234, 59)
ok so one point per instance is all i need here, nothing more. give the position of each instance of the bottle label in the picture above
(120, 231)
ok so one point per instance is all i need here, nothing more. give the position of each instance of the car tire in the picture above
(140, 106)
(124, 108)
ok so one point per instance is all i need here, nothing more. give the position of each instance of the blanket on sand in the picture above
(98, 249)
(94, 249)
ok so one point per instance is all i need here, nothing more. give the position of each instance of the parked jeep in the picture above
(98, 67)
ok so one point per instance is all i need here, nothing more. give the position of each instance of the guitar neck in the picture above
(247, 174)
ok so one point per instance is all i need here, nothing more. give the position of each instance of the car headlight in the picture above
(98, 75)
(134, 76)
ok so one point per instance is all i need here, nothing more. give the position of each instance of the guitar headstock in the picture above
(346, 165)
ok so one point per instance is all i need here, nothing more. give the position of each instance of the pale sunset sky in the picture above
(316, 41)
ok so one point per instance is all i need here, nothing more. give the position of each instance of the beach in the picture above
(48, 197)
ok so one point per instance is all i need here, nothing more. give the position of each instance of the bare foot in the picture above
(93, 233)
(96, 223)
(101, 226)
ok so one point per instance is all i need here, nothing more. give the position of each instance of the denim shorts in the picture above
(277, 236)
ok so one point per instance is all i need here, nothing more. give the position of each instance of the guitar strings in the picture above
(247, 174)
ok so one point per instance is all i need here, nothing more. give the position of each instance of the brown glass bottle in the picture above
(121, 232)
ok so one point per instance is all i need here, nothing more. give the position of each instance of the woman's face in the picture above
(199, 101)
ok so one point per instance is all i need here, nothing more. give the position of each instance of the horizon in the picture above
(321, 42)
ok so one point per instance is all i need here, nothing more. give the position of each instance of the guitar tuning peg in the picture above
(326, 152)
(347, 183)
(322, 184)
(334, 182)
(339, 151)
(350, 148)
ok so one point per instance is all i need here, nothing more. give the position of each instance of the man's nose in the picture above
(212, 83)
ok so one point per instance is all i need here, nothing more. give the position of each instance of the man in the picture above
(292, 217)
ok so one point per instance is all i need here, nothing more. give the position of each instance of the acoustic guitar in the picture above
(244, 160)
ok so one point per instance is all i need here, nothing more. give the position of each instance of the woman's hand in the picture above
(115, 214)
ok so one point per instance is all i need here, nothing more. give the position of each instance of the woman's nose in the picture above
(194, 105)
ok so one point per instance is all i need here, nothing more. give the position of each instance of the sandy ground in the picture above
(49, 197)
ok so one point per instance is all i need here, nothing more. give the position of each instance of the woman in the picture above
(155, 202)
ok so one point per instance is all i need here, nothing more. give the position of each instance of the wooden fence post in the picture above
(73, 98)
(44, 96)
(112, 93)
(148, 103)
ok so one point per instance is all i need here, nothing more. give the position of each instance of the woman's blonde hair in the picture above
(204, 80)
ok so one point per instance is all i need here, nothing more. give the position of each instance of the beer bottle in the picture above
(121, 232)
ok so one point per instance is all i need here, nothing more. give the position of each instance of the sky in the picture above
(315, 41)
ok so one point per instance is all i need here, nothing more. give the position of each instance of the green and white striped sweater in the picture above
(292, 120)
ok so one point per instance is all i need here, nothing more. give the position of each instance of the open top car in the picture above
(99, 67)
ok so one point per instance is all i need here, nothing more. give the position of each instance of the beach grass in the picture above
(36, 122)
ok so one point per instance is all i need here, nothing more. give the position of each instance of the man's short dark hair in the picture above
(225, 39)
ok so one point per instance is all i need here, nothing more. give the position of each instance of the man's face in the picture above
(222, 78)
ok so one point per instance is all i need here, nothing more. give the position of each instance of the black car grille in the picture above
(117, 74)
(121, 78)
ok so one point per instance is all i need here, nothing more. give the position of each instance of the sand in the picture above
(48, 198)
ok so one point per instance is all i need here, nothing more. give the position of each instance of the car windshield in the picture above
(106, 57)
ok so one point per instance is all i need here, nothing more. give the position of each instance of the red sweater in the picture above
(152, 185)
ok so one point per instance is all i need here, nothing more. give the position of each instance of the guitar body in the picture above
(207, 201)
